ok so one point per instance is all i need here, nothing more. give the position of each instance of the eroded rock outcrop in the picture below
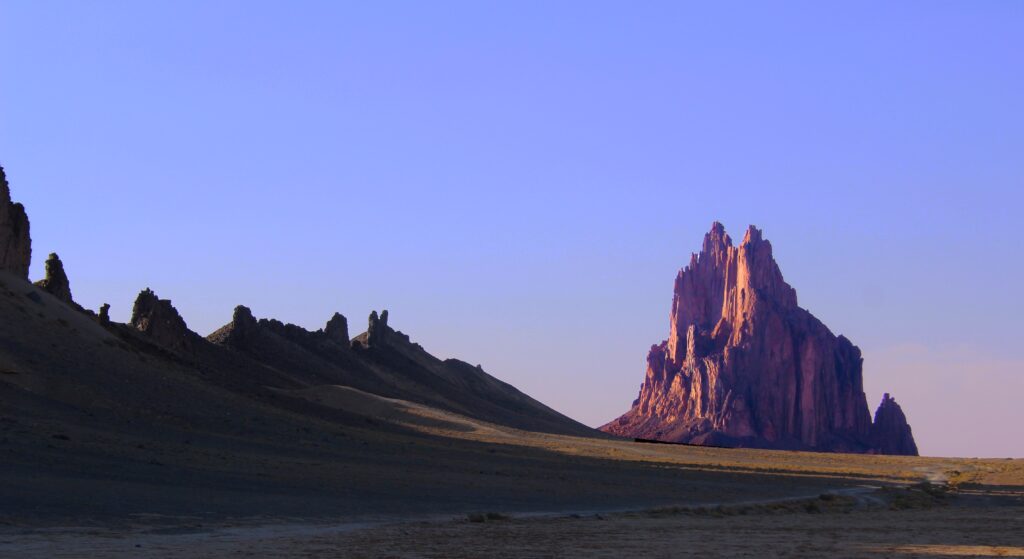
(15, 243)
(890, 432)
(56, 280)
(242, 326)
(245, 329)
(744, 365)
(159, 320)
(377, 331)
(336, 329)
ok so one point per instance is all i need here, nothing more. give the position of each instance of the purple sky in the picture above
(519, 183)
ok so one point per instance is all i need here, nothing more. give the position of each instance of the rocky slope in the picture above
(744, 365)
(385, 362)
(256, 358)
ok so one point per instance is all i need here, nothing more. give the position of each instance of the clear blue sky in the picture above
(519, 182)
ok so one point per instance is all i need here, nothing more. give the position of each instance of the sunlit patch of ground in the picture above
(955, 550)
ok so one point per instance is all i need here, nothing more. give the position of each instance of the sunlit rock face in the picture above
(15, 244)
(744, 365)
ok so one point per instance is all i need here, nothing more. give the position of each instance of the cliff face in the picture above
(744, 365)
(15, 245)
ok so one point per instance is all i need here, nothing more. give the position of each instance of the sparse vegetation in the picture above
(918, 496)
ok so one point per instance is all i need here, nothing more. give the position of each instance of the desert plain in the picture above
(442, 485)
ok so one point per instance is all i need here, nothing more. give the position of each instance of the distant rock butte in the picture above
(15, 244)
(744, 365)
(890, 431)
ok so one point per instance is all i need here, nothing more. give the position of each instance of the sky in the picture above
(519, 182)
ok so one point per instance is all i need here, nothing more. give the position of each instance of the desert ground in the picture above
(114, 446)
(473, 489)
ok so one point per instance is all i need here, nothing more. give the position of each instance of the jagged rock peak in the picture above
(744, 365)
(242, 324)
(890, 430)
(753, 235)
(377, 330)
(716, 244)
(104, 316)
(56, 280)
(337, 329)
(15, 242)
(158, 319)
(242, 316)
(245, 330)
(242, 321)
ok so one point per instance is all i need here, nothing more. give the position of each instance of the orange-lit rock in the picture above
(744, 365)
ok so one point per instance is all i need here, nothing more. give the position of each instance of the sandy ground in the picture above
(768, 504)
(951, 530)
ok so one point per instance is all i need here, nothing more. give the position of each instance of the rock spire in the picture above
(56, 280)
(377, 330)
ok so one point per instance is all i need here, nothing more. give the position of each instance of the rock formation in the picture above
(160, 321)
(337, 329)
(744, 365)
(241, 327)
(890, 432)
(377, 330)
(15, 244)
(104, 316)
(245, 328)
(56, 281)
